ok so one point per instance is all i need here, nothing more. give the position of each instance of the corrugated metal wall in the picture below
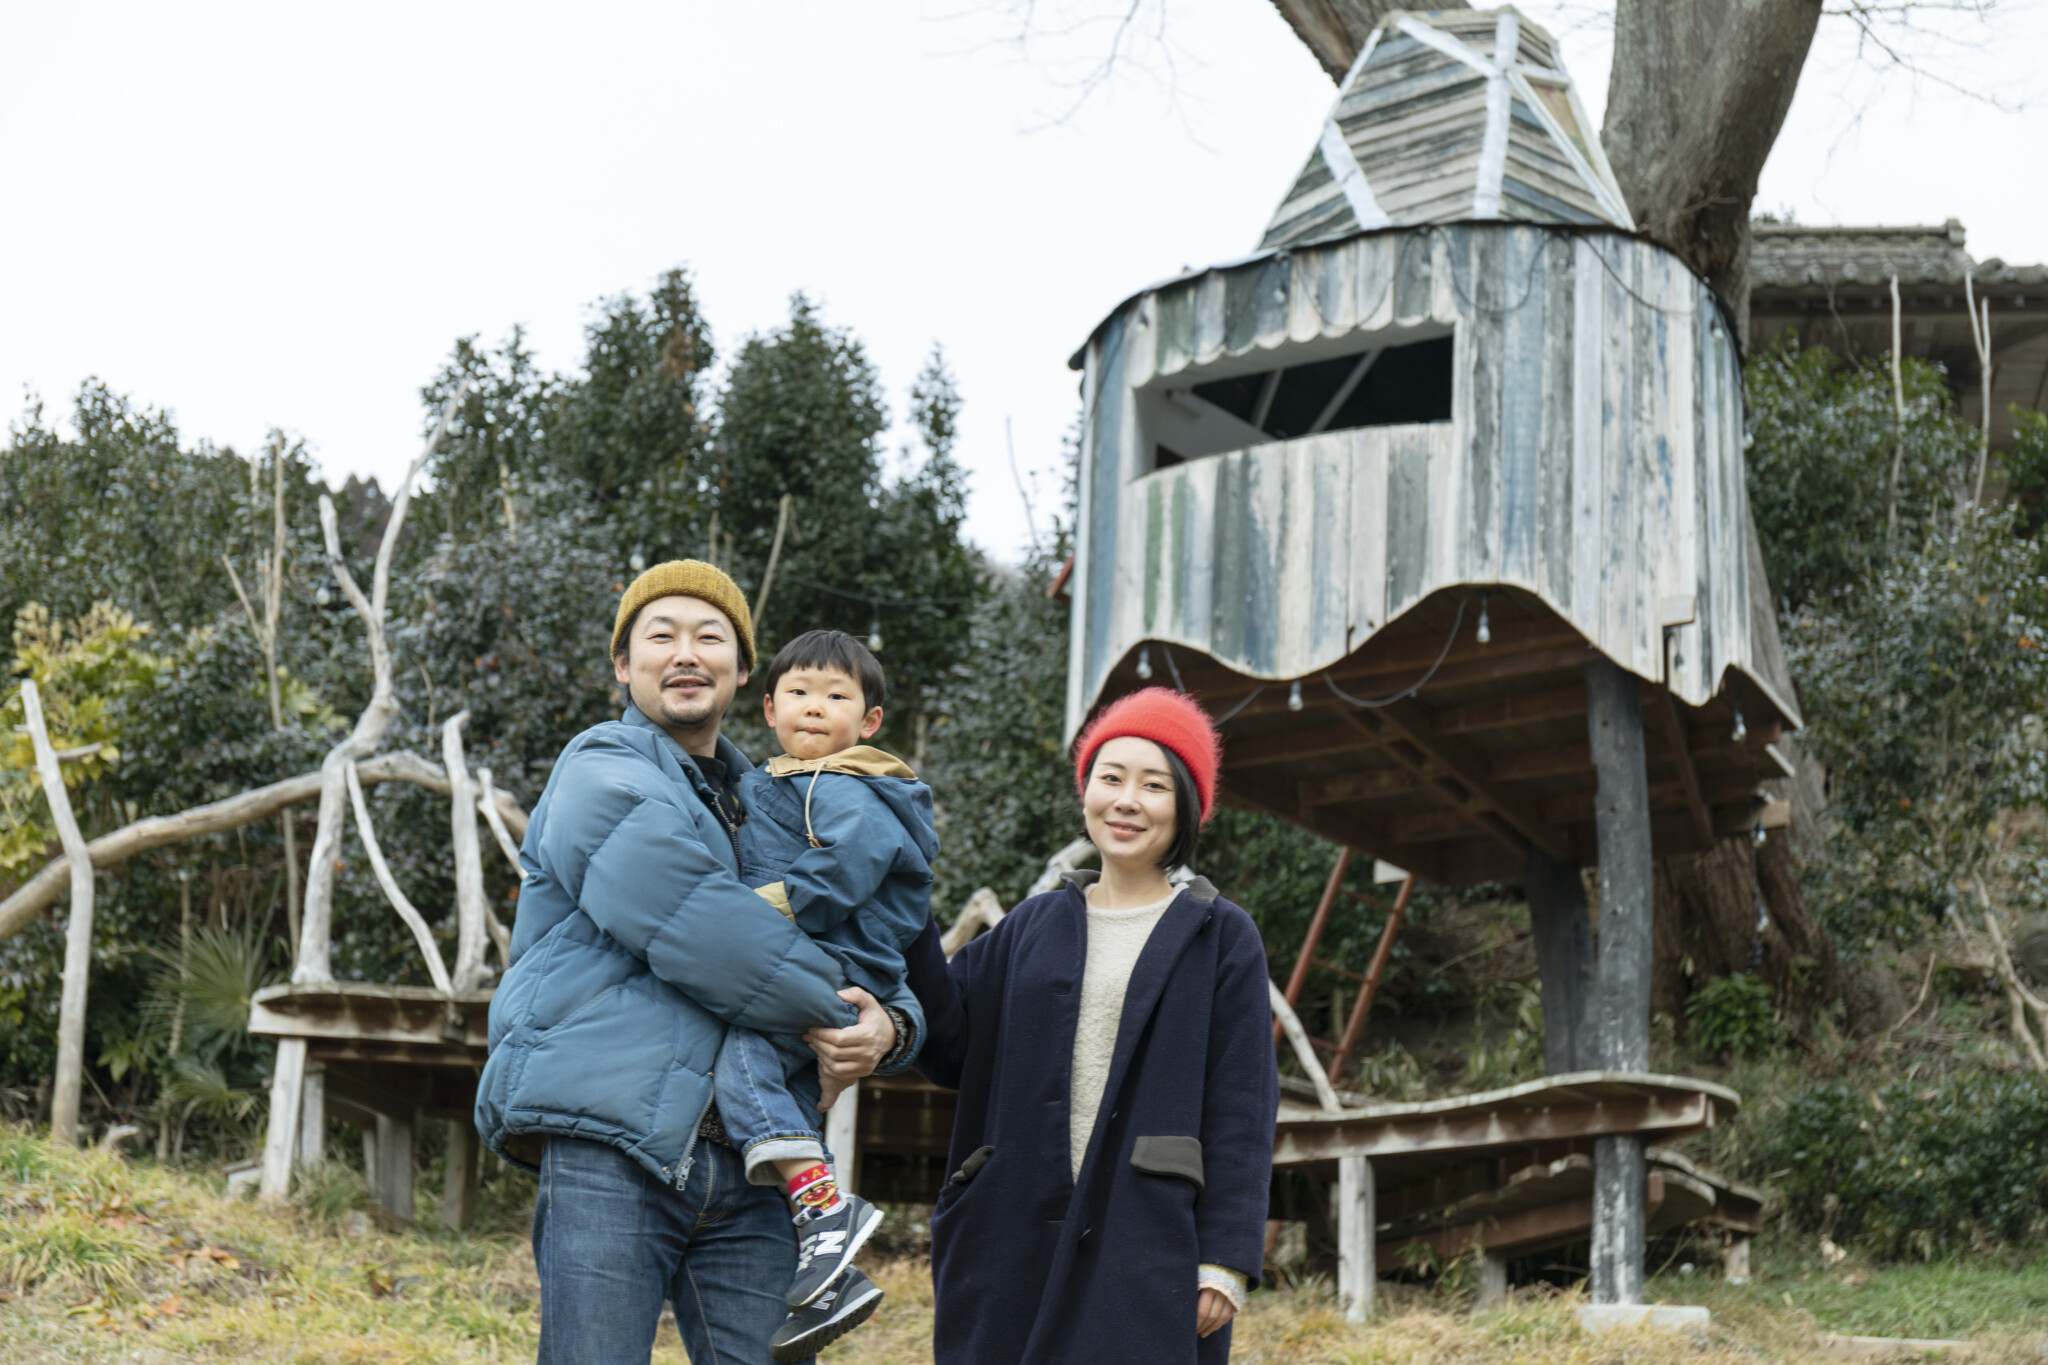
(1594, 458)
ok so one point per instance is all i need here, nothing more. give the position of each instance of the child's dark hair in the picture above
(831, 649)
(1187, 814)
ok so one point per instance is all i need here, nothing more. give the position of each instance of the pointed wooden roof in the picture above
(1446, 117)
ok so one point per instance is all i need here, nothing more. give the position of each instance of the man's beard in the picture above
(690, 715)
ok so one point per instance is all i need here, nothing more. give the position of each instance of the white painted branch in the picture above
(471, 972)
(316, 924)
(421, 934)
(42, 891)
(1062, 862)
(1290, 1024)
(982, 911)
(487, 801)
(77, 935)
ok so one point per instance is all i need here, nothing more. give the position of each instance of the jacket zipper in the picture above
(689, 1156)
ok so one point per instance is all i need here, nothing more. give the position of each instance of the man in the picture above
(636, 945)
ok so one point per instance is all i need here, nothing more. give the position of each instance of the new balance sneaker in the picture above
(829, 1241)
(843, 1306)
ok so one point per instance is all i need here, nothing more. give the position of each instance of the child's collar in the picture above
(862, 760)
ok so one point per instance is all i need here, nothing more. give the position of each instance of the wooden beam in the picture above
(1496, 666)
(1385, 1136)
(1416, 724)
(1518, 708)
(1418, 766)
(1369, 785)
(1681, 756)
(1292, 747)
(1527, 1230)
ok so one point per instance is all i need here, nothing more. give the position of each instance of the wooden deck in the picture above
(383, 1058)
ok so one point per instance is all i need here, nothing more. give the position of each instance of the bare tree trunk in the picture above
(77, 934)
(316, 927)
(1695, 99)
(471, 971)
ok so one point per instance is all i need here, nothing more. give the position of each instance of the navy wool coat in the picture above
(1031, 1266)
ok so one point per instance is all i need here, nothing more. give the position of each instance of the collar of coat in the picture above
(862, 760)
(1199, 887)
(728, 752)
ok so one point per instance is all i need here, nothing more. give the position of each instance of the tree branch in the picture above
(42, 891)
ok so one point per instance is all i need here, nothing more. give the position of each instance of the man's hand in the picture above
(847, 1054)
(1212, 1310)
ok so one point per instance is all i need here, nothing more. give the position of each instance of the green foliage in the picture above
(1917, 687)
(1826, 435)
(2026, 470)
(1731, 1016)
(999, 762)
(82, 680)
(1506, 1043)
(1913, 1168)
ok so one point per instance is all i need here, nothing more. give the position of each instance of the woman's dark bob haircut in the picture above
(1187, 812)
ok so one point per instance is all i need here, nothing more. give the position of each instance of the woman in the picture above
(1112, 1045)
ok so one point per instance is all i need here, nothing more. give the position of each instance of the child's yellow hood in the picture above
(862, 760)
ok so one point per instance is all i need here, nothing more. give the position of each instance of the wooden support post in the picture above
(1564, 960)
(1355, 1026)
(1735, 1259)
(313, 1116)
(1614, 725)
(1315, 933)
(281, 1138)
(1493, 1280)
(1355, 1238)
(458, 1186)
(77, 934)
(842, 1136)
(393, 1183)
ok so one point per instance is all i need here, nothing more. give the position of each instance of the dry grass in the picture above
(101, 1260)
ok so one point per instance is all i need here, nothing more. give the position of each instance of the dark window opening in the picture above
(1395, 386)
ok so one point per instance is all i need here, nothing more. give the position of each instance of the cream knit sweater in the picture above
(1115, 939)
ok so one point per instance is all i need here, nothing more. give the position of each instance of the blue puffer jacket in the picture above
(850, 839)
(636, 944)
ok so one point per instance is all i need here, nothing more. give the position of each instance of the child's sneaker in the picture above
(829, 1241)
(841, 1308)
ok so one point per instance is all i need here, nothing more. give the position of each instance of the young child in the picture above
(842, 834)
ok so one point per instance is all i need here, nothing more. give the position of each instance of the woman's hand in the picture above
(1212, 1311)
(847, 1054)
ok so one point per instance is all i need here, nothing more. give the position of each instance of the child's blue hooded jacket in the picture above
(849, 839)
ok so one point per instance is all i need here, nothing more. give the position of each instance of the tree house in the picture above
(1436, 501)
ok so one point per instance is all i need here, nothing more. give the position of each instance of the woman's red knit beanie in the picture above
(1170, 719)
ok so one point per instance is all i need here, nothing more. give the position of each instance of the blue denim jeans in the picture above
(612, 1242)
(768, 1100)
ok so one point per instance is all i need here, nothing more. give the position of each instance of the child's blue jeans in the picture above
(768, 1101)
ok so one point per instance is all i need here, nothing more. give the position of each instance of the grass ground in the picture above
(103, 1259)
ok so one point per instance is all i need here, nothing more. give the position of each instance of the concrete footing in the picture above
(1665, 1317)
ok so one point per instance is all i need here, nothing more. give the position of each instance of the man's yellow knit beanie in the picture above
(688, 578)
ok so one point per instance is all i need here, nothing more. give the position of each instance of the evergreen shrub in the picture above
(1913, 1168)
(1731, 1017)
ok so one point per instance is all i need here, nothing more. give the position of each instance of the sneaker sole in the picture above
(857, 1239)
(825, 1333)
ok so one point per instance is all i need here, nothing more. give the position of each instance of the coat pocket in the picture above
(971, 1167)
(1175, 1156)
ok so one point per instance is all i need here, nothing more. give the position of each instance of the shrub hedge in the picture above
(1956, 1162)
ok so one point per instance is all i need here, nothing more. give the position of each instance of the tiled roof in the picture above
(1790, 255)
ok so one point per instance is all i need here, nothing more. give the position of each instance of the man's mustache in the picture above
(695, 675)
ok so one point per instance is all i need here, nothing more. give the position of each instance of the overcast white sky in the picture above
(264, 215)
